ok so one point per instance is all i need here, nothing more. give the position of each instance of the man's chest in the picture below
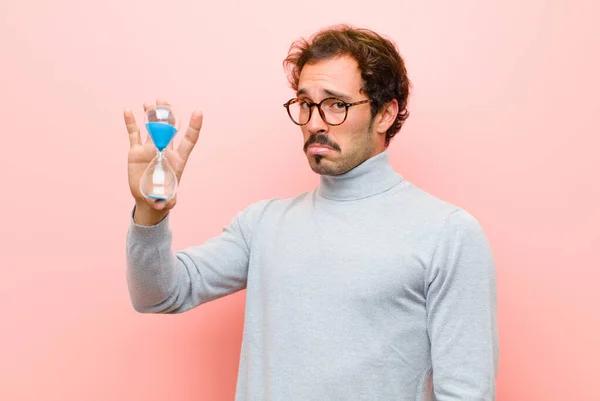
(340, 258)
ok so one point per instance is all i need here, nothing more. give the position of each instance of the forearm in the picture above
(153, 275)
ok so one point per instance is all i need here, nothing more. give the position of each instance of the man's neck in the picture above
(374, 176)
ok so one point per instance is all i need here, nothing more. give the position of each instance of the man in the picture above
(366, 288)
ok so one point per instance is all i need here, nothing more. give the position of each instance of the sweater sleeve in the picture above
(161, 280)
(461, 312)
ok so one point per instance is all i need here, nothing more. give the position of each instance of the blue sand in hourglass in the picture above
(157, 197)
(161, 134)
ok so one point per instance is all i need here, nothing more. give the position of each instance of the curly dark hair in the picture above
(382, 68)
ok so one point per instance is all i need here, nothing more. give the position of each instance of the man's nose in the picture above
(316, 124)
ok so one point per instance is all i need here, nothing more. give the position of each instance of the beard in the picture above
(362, 148)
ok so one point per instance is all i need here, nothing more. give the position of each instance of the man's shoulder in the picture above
(434, 211)
(421, 202)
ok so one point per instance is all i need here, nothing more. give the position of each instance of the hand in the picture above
(140, 155)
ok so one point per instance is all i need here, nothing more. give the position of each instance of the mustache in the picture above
(321, 139)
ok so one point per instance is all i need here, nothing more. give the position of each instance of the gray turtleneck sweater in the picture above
(367, 288)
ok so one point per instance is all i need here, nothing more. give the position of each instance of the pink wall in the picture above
(505, 117)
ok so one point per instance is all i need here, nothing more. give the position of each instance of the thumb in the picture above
(157, 204)
(164, 205)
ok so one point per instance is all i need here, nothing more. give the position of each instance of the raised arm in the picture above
(159, 279)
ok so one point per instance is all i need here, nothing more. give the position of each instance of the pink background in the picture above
(504, 123)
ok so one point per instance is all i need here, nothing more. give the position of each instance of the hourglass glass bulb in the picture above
(159, 181)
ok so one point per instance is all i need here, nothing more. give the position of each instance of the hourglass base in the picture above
(159, 193)
(157, 197)
(153, 195)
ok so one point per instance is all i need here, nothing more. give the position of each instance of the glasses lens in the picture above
(334, 110)
(299, 111)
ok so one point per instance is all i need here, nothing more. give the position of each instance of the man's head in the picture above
(367, 78)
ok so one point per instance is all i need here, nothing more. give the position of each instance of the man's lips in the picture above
(318, 149)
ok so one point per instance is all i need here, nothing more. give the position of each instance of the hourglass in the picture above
(159, 181)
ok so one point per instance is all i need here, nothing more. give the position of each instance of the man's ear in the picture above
(388, 114)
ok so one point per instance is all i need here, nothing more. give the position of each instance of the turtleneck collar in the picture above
(374, 176)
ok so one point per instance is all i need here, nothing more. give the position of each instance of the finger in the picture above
(172, 156)
(164, 205)
(159, 204)
(132, 128)
(163, 102)
(147, 106)
(171, 204)
(191, 135)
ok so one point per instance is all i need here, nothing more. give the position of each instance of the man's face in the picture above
(334, 150)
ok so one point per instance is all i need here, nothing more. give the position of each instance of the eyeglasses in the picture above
(332, 110)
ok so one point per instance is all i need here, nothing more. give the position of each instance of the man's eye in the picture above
(304, 105)
(336, 106)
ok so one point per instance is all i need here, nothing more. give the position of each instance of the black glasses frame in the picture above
(321, 112)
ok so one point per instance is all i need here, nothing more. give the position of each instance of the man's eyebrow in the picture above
(327, 92)
(301, 92)
(336, 94)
